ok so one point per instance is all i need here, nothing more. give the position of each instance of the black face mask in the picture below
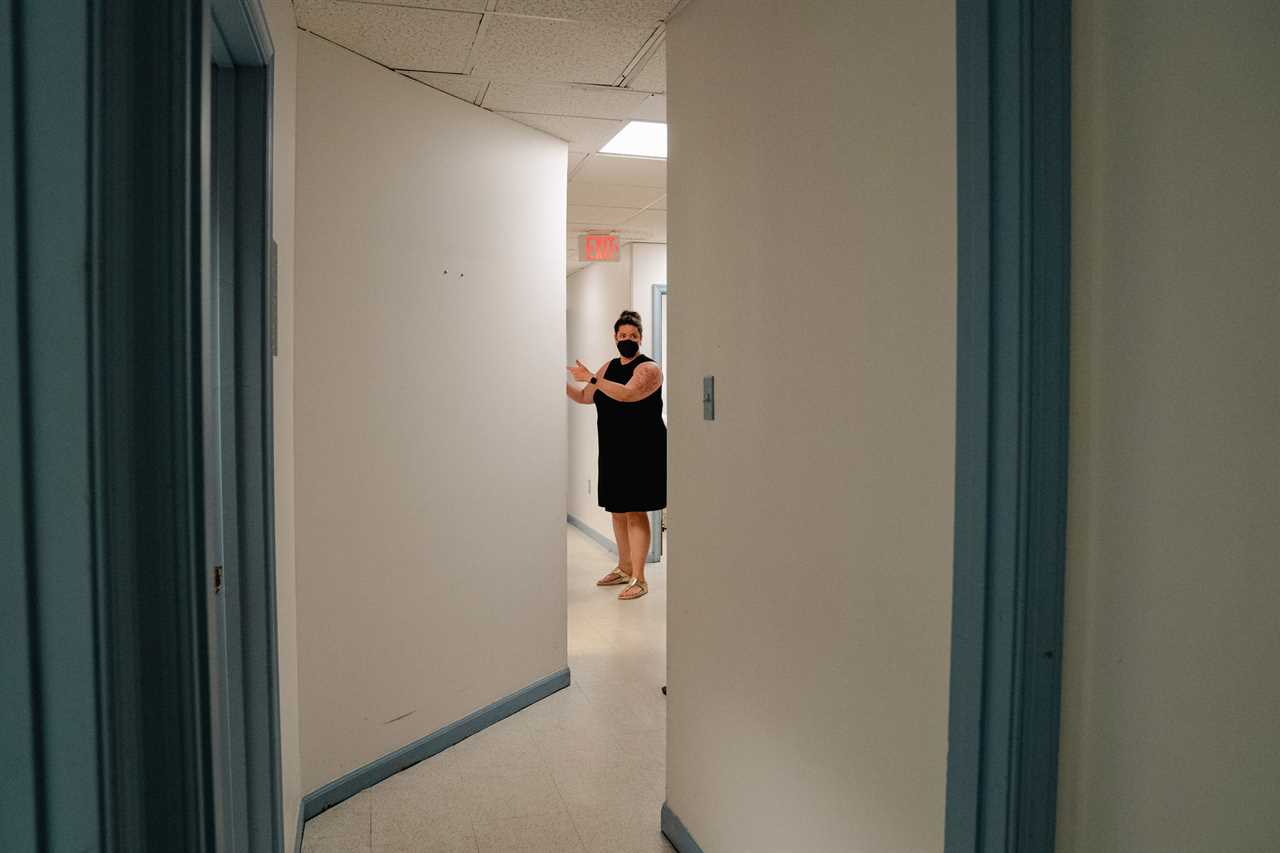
(628, 348)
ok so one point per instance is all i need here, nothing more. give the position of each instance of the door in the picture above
(220, 453)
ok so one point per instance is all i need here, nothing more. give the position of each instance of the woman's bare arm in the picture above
(646, 380)
(586, 394)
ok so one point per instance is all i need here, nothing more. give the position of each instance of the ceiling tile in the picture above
(563, 99)
(575, 159)
(582, 134)
(420, 39)
(653, 77)
(631, 171)
(650, 225)
(602, 215)
(613, 195)
(635, 13)
(455, 5)
(653, 108)
(573, 52)
(459, 85)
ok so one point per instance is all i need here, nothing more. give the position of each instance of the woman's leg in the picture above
(621, 536)
(624, 549)
(638, 536)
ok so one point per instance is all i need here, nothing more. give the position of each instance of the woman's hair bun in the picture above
(628, 318)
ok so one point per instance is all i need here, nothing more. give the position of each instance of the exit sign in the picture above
(598, 247)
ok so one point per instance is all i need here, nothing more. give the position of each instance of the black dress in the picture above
(633, 446)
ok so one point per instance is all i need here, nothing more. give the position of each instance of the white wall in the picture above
(812, 268)
(284, 37)
(597, 295)
(648, 267)
(1171, 698)
(430, 419)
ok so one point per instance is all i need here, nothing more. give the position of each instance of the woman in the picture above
(627, 393)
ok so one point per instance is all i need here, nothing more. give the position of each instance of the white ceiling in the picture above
(576, 69)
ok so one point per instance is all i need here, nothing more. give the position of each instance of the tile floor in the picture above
(582, 771)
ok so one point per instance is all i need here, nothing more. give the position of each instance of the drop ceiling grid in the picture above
(458, 85)
(584, 135)
(653, 77)
(628, 171)
(557, 51)
(433, 5)
(636, 13)
(549, 64)
(615, 195)
(394, 36)
(564, 100)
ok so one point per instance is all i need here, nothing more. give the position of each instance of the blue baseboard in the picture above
(676, 832)
(388, 765)
(602, 540)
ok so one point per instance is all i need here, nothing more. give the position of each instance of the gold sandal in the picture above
(635, 584)
(614, 578)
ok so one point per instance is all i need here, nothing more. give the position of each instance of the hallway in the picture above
(579, 772)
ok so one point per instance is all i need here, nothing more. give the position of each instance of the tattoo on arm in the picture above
(647, 379)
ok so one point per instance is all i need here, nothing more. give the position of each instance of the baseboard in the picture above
(602, 540)
(677, 833)
(388, 765)
(598, 537)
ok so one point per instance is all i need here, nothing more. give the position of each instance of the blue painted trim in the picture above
(607, 543)
(21, 787)
(593, 534)
(147, 244)
(659, 335)
(241, 128)
(388, 765)
(1013, 138)
(677, 833)
(243, 28)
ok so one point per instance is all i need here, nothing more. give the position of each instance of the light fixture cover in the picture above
(639, 139)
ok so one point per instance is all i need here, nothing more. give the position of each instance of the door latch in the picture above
(217, 579)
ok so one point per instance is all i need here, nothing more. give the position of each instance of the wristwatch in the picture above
(592, 380)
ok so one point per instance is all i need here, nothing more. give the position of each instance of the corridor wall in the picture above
(1170, 735)
(813, 269)
(648, 267)
(429, 412)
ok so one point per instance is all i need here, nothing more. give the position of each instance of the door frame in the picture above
(659, 341)
(107, 216)
(1014, 218)
(243, 57)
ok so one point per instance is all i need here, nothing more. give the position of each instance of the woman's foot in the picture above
(615, 577)
(635, 589)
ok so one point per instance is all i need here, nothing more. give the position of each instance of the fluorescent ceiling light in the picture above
(639, 139)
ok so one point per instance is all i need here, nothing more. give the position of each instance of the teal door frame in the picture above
(656, 526)
(106, 730)
(1014, 183)
(238, 353)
